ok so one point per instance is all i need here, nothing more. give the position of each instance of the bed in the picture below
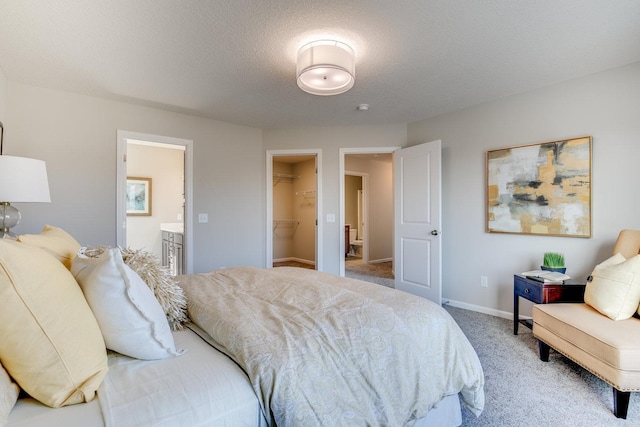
(324, 350)
(285, 347)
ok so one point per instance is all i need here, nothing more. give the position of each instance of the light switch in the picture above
(203, 217)
(331, 217)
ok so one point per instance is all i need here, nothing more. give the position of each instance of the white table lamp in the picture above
(21, 180)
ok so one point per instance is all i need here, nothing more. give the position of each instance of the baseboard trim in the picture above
(380, 261)
(480, 309)
(294, 259)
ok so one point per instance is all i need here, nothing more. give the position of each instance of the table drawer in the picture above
(527, 290)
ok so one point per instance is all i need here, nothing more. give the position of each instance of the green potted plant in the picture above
(553, 261)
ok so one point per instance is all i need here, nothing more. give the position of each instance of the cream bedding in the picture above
(202, 387)
(324, 350)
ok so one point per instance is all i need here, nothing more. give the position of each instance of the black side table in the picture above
(543, 293)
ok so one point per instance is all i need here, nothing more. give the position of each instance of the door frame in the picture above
(270, 154)
(341, 173)
(121, 184)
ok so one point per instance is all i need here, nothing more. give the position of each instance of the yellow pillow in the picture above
(50, 342)
(614, 287)
(56, 241)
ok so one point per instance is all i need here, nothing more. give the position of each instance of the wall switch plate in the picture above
(484, 282)
(331, 217)
(203, 217)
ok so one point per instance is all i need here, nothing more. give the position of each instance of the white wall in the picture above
(76, 136)
(3, 97)
(605, 106)
(330, 140)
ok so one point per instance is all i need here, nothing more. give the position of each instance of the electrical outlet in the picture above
(484, 281)
(203, 217)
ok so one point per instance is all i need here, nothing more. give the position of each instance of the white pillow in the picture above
(8, 395)
(131, 319)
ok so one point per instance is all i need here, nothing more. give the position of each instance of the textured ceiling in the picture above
(234, 60)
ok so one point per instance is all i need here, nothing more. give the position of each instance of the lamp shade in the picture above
(325, 67)
(23, 180)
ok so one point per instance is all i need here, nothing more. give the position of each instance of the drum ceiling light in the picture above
(326, 67)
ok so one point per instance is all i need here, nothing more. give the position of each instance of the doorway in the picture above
(293, 207)
(355, 212)
(163, 166)
(372, 254)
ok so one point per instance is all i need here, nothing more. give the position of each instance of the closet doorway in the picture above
(293, 206)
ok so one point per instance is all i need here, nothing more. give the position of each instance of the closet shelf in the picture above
(283, 177)
(277, 222)
(308, 196)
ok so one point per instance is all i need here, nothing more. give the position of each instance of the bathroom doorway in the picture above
(163, 166)
(355, 214)
(293, 208)
(368, 252)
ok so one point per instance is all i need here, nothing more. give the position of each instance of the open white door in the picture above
(417, 217)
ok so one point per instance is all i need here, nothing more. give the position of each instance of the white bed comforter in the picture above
(324, 350)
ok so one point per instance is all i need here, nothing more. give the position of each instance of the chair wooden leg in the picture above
(544, 351)
(621, 403)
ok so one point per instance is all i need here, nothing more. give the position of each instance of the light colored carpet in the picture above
(380, 273)
(379, 269)
(521, 390)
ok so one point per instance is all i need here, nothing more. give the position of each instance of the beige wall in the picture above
(304, 208)
(603, 105)
(76, 136)
(283, 195)
(165, 167)
(351, 186)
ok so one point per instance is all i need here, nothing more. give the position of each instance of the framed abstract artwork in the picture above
(541, 189)
(138, 196)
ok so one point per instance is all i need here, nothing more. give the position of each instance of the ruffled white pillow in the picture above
(131, 319)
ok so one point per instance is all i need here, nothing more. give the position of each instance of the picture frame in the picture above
(138, 194)
(540, 189)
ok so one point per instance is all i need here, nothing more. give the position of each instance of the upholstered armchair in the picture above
(610, 349)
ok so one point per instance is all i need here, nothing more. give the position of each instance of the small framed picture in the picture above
(138, 196)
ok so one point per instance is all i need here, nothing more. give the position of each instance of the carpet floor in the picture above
(521, 390)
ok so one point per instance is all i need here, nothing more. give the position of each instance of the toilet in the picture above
(354, 243)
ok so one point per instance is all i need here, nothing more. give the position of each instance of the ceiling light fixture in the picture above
(326, 67)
